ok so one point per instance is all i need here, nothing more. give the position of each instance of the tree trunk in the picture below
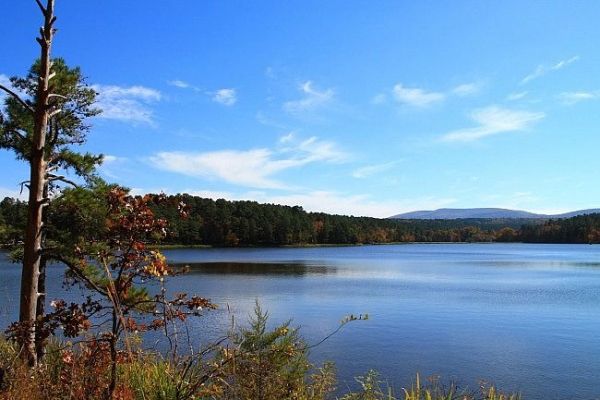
(33, 234)
(40, 340)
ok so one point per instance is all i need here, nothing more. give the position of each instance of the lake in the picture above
(522, 316)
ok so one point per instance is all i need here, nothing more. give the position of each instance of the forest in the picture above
(223, 223)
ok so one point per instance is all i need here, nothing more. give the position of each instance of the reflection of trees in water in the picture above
(243, 268)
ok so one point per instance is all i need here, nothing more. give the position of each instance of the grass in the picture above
(256, 363)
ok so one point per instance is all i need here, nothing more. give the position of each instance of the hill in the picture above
(479, 213)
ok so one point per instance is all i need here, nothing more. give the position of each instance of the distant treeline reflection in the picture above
(243, 268)
(223, 223)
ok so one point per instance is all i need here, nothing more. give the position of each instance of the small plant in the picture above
(267, 364)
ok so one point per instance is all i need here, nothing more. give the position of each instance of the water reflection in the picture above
(239, 268)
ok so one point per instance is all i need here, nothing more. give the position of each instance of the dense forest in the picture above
(248, 223)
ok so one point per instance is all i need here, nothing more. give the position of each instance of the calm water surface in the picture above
(523, 316)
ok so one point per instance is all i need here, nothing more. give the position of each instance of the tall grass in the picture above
(257, 363)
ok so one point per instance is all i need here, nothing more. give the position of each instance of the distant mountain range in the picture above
(464, 213)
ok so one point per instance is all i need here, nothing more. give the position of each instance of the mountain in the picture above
(464, 213)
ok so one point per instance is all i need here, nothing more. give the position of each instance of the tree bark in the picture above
(32, 256)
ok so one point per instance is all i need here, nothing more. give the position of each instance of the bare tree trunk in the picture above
(33, 234)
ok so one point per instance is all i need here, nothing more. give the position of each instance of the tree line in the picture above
(223, 223)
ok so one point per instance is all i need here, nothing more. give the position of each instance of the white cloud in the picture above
(129, 104)
(494, 120)
(109, 159)
(416, 97)
(516, 96)
(369, 170)
(312, 99)
(313, 149)
(466, 89)
(227, 97)
(179, 83)
(247, 168)
(542, 69)
(251, 168)
(571, 98)
(287, 138)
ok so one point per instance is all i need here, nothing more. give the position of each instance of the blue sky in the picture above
(362, 108)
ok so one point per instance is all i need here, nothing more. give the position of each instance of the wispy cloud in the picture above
(128, 104)
(287, 138)
(110, 159)
(227, 97)
(254, 168)
(369, 170)
(516, 96)
(494, 120)
(111, 164)
(422, 98)
(311, 100)
(466, 89)
(416, 97)
(570, 98)
(180, 84)
(543, 69)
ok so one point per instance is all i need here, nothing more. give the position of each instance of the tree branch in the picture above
(60, 96)
(80, 274)
(41, 6)
(61, 178)
(22, 184)
(55, 112)
(18, 98)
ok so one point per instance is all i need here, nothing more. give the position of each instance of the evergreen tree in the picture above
(43, 118)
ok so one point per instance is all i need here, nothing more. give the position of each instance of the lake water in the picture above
(522, 316)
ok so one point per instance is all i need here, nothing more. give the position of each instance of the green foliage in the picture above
(152, 379)
(248, 223)
(580, 229)
(13, 217)
(371, 388)
(75, 100)
(270, 363)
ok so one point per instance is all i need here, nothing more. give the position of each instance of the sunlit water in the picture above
(522, 316)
